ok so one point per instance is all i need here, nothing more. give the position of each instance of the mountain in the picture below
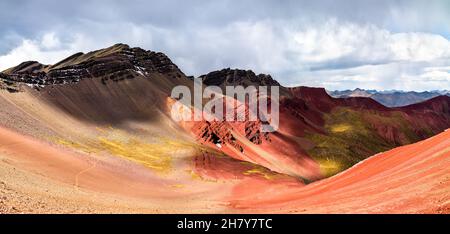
(392, 98)
(104, 118)
(245, 78)
(237, 77)
(404, 98)
(352, 93)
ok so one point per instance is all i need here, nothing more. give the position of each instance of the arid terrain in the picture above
(38, 178)
(94, 134)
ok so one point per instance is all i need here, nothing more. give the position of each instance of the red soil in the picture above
(79, 170)
(243, 141)
(408, 179)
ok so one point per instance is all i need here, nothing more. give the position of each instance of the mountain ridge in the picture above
(127, 87)
(114, 60)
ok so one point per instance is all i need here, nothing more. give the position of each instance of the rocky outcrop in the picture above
(236, 77)
(5, 84)
(217, 133)
(253, 132)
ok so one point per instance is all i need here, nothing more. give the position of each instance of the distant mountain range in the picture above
(390, 98)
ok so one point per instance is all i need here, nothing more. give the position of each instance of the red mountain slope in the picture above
(408, 179)
(320, 135)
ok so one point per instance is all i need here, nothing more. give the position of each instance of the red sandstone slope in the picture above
(306, 144)
(243, 140)
(408, 179)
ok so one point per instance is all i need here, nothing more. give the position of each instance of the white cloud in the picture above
(331, 54)
(419, 47)
(33, 50)
(332, 40)
(416, 76)
(365, 44)
(50, 41)
(346, 55)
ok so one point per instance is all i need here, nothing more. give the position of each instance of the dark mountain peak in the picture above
(117, 52)
(116, 62)
(26, 67)
(235, 77)
(119, 46)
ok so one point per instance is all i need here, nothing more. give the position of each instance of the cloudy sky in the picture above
(334, 44)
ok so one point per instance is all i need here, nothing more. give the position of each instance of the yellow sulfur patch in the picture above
(340, 128)
(193, 175)
(157, 155)
(259, 171)
(329, 167)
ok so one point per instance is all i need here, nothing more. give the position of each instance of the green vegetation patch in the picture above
(349, 139)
